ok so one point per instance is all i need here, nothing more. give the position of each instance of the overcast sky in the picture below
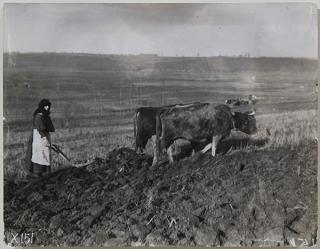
(286, 30)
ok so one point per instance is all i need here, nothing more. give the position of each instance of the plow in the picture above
(59, 151)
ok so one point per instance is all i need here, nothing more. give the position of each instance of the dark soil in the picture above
(249, 198)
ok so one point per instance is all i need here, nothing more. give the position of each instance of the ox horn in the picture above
(252, 113)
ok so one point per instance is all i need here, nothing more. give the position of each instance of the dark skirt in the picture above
(39, 169)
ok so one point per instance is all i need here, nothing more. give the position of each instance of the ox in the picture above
(144, 123)
(199, 123)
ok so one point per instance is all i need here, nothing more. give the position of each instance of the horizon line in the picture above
(157, 55)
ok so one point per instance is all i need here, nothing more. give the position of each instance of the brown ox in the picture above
(198, 123)
(144, 123)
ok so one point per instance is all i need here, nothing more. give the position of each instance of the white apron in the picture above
(40, 149)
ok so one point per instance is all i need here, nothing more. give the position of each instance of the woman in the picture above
(41, 141)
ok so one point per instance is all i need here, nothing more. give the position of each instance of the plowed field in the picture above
(250, 197)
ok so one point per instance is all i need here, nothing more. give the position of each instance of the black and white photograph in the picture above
(160, 124)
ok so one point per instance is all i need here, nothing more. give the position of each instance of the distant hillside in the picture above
(90, 62)
(89, 85)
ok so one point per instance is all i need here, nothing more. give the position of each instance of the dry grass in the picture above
(79, 144)
(289, 129)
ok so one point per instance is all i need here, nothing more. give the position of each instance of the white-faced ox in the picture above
(200, 123)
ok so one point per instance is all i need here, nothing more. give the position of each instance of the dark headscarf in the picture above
(46, 114)
(41, 105)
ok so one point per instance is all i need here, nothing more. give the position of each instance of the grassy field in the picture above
(289, 129)
(94, 97)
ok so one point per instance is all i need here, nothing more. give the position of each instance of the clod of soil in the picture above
(262, 197)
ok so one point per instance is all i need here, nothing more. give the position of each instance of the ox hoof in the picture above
(153, 166)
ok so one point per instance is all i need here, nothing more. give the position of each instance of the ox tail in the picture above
(158, 135)
(135, 117)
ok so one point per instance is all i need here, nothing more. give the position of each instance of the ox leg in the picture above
(215, 141)
(193, 147)
(155, 154)
(139, 150)
(170, 156)
(193, 152)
